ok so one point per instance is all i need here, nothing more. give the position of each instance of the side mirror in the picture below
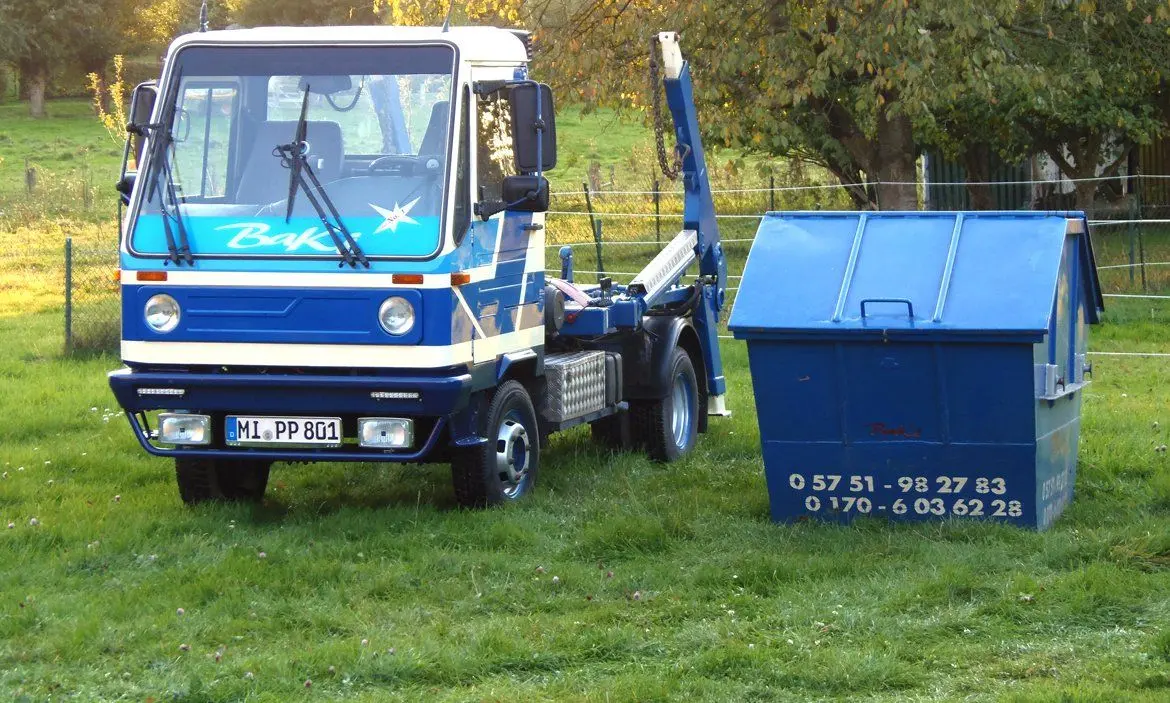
(125, 186)
(532, 129)
(529, 193)
(141, 106)
(519, 193)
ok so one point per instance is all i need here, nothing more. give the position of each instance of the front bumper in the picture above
(218, 394)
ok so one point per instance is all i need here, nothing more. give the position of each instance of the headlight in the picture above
(179, 428)
(162, 313)
(396, 316)
(385, 432)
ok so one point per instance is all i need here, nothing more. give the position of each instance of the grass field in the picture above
(671, 582)
(366, 581)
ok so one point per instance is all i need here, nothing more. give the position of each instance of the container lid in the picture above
(910, 274)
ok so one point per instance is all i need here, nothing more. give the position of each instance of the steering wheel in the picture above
(402, 163)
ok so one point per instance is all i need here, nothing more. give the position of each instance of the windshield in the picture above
(377, 131)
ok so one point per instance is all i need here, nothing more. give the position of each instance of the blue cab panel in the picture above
(919, 365)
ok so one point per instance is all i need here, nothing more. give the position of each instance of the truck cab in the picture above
(334, 250)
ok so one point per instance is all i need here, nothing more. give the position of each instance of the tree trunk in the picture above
(977, 162)
(1085, 195)
(38, 80)
(23, 71)
(896, 169)
(1081, 168)
(850, 177)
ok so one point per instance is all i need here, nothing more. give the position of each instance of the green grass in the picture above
(75, 160)
(708, 600)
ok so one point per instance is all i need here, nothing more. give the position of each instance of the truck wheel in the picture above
(202, 480)
(504, 468)
(613, 432)
(669, 425)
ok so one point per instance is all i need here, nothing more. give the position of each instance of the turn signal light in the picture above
(413, 279)
(153, 276)
(459, 279)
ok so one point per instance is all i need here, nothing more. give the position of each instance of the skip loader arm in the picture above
(698, 214)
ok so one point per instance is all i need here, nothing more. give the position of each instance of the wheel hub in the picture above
(512, 454)
(680, 415)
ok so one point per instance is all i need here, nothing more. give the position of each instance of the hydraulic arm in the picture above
(699, 223)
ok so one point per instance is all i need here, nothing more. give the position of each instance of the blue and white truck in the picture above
(333, 250)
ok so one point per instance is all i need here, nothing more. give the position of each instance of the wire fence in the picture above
(612, 232)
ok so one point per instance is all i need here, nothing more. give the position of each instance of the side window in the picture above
(462, 211)
(202, 131)
(494, 156)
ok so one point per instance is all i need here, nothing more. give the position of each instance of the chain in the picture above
(671, 172)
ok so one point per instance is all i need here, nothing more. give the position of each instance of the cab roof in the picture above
(475, 44)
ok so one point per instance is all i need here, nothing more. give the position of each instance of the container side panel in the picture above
(800, 399)
(893, 392)
(1059, 424)
(990, 392)
(1060, 343)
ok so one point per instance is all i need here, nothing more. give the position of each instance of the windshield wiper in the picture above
(294, 157)
(162, 144)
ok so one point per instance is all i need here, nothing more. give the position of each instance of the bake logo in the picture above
(259, 235)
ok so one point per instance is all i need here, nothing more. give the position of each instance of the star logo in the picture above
(400, 215)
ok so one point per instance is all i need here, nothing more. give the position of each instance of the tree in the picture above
(252, 13)
(40, 36)
(842, 83)
(1098, 86)
(36, 35)
(397, 12)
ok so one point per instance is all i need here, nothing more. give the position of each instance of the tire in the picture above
(203, 480)
(613, 432)
(504, 468)
(670, 425)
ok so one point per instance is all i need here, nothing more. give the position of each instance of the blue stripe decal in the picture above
(499, 302)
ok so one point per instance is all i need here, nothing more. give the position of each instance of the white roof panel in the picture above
(476, 44)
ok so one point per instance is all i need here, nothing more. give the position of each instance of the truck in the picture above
(333, 250)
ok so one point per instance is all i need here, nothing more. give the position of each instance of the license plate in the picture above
(283, 430)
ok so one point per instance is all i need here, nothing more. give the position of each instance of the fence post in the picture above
(771, 191)
(30, 178)
(1142, 256)
(1132, 236)
(68, 295)
(657, 215)
(595, 227)
(597, 240)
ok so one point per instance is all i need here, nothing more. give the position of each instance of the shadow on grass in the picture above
(322, 489)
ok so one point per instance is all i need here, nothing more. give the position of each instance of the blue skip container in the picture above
(919, 365)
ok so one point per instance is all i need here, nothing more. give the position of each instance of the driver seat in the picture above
(263, 180)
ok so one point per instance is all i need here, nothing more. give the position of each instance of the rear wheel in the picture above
(504, 468)
(238, 480)
(669, 425)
